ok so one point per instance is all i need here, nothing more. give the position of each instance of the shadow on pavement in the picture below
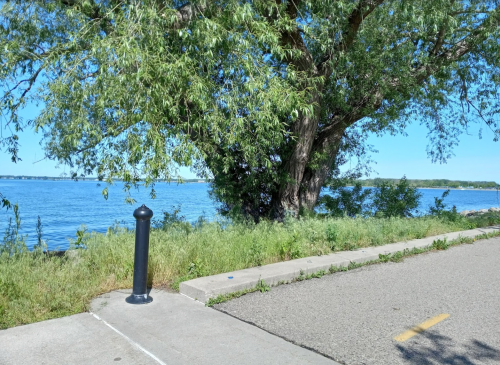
(437, 349)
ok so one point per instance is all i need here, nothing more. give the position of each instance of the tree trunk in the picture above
(315, 178)
(287, 200)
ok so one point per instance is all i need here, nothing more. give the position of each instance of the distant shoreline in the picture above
(434, 183)
(473, 189)
(90, 178)
(418, 187)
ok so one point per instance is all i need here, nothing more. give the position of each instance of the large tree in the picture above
(266, 97)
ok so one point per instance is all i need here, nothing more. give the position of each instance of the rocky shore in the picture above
(468, 213)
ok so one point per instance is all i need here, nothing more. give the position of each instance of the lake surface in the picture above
(64, 206)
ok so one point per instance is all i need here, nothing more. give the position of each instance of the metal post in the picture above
(140, 292)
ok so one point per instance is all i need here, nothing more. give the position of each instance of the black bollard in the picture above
(140, 291)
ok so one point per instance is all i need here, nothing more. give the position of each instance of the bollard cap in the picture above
(143, 213)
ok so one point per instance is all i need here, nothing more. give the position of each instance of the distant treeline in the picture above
(435, 183)
(58, 178)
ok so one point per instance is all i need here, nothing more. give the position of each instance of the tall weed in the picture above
(13, 242)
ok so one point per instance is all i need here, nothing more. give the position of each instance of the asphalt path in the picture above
(441, 307)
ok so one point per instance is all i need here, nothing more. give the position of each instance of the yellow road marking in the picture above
(421, 327)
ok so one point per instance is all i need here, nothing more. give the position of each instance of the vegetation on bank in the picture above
(35, 286)
(434, 183)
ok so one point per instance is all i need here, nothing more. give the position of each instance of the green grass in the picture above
(35, 287)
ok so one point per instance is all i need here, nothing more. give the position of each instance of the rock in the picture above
(74, 256)
(468, 213)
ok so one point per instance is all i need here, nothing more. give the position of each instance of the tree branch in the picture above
(30, 82)
(364, 8)
(374, 100)
(187, 13)
(439, 40)
(93, 12)
(294, 39)
(441, 34)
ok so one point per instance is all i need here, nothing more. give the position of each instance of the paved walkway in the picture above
(435, 308)
(175, 329)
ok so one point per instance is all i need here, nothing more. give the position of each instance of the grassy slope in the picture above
(38, 287)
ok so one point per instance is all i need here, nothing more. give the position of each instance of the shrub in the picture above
(396, 200)
(174, 221)
(387, 200)
(346, 201)
(439, 208)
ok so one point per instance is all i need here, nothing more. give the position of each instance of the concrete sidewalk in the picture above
(175, 329)
(171, 330)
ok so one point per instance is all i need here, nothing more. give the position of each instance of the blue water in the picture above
(64, 205)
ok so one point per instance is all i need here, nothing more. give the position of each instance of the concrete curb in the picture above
(202, 289)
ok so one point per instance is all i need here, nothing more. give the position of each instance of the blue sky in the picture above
(475, 159)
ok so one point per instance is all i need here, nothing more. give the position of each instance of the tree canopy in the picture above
(268, 98)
